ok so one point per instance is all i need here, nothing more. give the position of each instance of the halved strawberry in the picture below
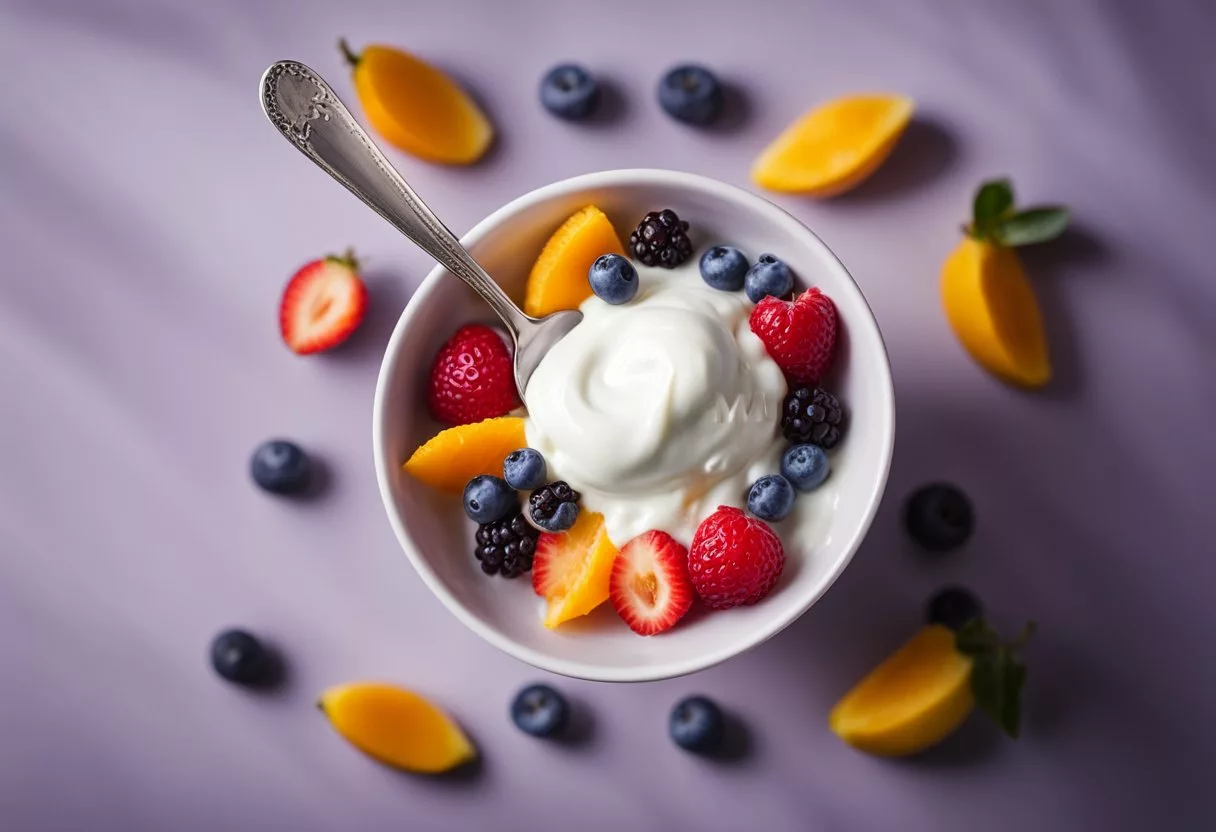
(650, 587)
(323, 304)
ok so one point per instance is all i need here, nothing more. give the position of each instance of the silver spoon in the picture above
(305, 110)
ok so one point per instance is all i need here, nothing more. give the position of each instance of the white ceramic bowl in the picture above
(438, 539)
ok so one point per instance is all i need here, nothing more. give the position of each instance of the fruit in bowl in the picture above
(656, 415)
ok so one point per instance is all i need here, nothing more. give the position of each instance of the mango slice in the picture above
(917, 697)
(453, 457)
(572, 569)
(835, 146)
(559, 277)
(417, 108)
(397, 727)
(992, 309)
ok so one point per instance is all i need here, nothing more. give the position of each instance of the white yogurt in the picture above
(659, 410)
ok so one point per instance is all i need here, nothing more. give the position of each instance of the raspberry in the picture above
(506, 546)
(661, 239)
(472, 378)
(812, 415)
(734, 559)
(799, 335)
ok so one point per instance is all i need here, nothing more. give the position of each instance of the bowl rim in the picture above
(429, 285)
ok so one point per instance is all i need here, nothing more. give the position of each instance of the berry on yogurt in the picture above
(805, 466)
(771, 498)
(724, 267)
(769, 277)
(661, 239)
(734, 559)
(613, 279)
(524, 469)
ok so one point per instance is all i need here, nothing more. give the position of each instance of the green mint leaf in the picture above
(1014, 682)
(993, 200)
(997, 674)
(1034, 225)
(976, 638)
(988, 684)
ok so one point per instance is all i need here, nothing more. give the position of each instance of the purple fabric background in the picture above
(149, 217)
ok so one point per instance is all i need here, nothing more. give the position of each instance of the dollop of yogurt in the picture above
(661, 409)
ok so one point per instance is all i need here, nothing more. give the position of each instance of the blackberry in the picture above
(661, 239)
(812, 415)
(545, 500)
(506, 546)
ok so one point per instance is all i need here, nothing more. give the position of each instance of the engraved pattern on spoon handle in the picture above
(305, 110)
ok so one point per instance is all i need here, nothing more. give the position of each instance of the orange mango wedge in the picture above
(991, 307)
(453, 457)
(417, 108)
(571, 570)
(835, 146)
(396, 727)
(916, 698)
(559, 277)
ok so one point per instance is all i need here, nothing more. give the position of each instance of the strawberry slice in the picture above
(323, 304)
(650, 588)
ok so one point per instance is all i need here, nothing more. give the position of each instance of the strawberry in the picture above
(472, 378)
(649, 587)
(734, 559)
(799, 335)
(323, 304)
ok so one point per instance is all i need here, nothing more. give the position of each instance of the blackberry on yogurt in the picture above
(661, 239)
(812, 415)
(545, 505)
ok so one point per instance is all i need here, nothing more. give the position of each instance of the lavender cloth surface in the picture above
(149, 217)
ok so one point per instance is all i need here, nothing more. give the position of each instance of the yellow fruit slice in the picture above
(835, 146)
(559, 276)
(417, 108)
(456, 455)
(913, 700)
(396, 727)
(992, 308)
(571, 569)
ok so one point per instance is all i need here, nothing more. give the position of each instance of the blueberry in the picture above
(939, 517)
(613, 278)
(696, 724)
(280, 467)
(489, 499)
(771, 497)
(524, 469)
(691, 94)
(569, 91)
(953, 607)
(563, 518)
(239, 657)
(805, 466)
(769, 276)
(539, 710)
(724, 267)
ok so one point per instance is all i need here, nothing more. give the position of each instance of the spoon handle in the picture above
(305, 110)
